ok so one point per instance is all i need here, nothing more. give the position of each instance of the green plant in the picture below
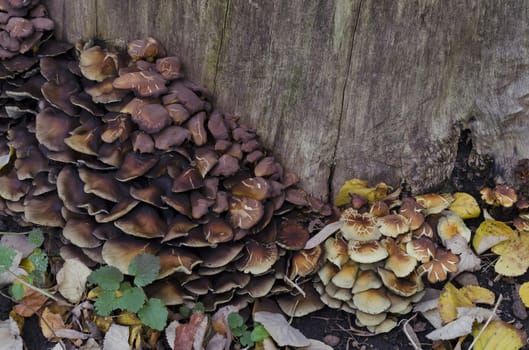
(240, 330)
(118, 294)
(35, 265)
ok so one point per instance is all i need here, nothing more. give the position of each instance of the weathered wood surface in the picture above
(345, 88)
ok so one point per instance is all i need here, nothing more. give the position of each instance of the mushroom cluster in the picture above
(375, 262)
(126, 156)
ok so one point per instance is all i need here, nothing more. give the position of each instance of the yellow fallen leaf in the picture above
(465, 206)
(499, 335)
(490, 233)
(127, 318)
(450, 299)
(50, 322)
(524, 293)
(514, 256)
(478, 295)
(135, 337)
(360, 187)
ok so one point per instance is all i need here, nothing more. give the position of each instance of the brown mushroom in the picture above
(98, 64)
(44, 210)
(360, 227)
(393, 225)
(258, 258)
(151, 118)
(134, 165)
(366, 251)
(169, 67)
(398, 261)
(148, 48)
(292, 236)
(144, 83)
(79, 232)
(142, 221)
(218, 231)
(372, 301)
(52, 127)
(245, 212)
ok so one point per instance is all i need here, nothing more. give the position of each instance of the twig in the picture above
(37, 289)
(293, 284)
(500, 298)
(412, 337)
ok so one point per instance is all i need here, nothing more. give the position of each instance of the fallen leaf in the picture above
(478, 295)
(468, 261)
(71, 279)
(221, 325)
(280, 330)
(50, 322)
(514, 256)
(265, 344)
(19, 243)
(465, 206)
(499, 335)
(360, 187)
(479, 314)
(187, 335)
(218, 341)
(490, 233)
(10, 335)
(170, 333)
(524, 293)
(450, 299)
(117, 338)
(457, 328)
(316, 345)
(30, 303)
(90, 344)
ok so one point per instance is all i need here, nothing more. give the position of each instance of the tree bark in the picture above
(380, 90)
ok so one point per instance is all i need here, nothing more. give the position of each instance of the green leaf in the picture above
(39, 259)
(259, 333)
(246, 339)
(184, 311)
(235, 321)
(36, 237)
(131, 299)
(106, 302)
(7, 255)
(199, 307)
(17, 291)
(154, 314)
(36, 278)
(144, 267)
(107, 277)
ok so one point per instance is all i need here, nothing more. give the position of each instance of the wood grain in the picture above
(345, 88)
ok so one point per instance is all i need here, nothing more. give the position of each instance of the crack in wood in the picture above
(332, 165)
(224, 25)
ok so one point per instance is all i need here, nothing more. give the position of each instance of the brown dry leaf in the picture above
(50, 322)
(31, 303)
(514, 256)
(490, 233)
(499, 335)
(71, 279)
(187, 335)
(450, 299)
(524, 293)
(478, 295)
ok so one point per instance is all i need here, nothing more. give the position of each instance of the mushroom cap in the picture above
(450, 225)
(505, 195)
(169, 292)
(336, 251)
(292, 236)
(171, 136)
(401, 286)
(19, 27)
(98, 64)
(142, 221)
(398, 260)
(327, 272)
(346, 277)
(220, 256)
(102, 184)
(245, 212)
(258, 257)
(421, 248)
(169, 67)
(135, 165)
(300, 305)
(304, 262)
(433, 203)
(174, 260)
(151, 118)
(359, 227)
(218, 231)
(253, 187)
(148, 48)
(79, 232)
(119, 252)
(11, 188)
(188, 179)
(372, 301)
(178, 113)
(144, 83)
(259, 286)
(366, 251)
(44, 210)
(365, 319)
(52, 127)
(393, 225)
(366, 279)
(438, 267)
